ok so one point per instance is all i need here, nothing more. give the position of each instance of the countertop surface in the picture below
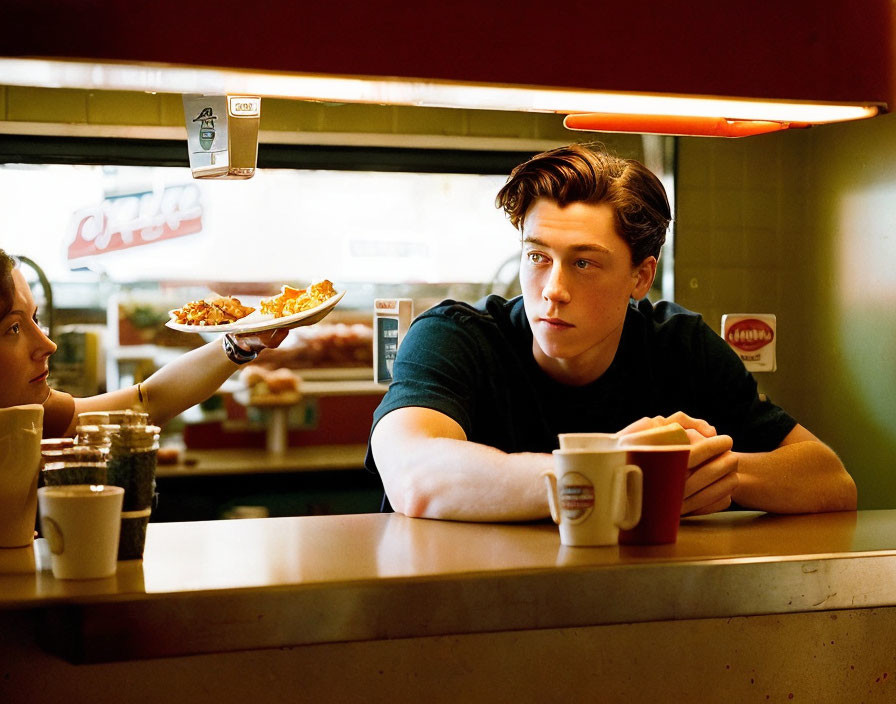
(278, 581)
(282, 552)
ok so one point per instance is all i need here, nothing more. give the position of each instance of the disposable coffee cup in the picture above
(128, 418)
(592, 494)
(55, 444)
(81, 523)
(665, 470)
(131, 464)
(74, 465)
(133, 534)
(137, 479)
(70, 473)
(93, 418)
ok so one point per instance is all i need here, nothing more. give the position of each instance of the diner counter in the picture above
(292, 583)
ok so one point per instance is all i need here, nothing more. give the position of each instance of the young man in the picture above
(480, 393)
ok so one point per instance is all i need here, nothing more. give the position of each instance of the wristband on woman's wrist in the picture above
(234, 352)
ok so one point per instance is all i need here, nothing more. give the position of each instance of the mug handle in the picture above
(550, 481)
(627, 495)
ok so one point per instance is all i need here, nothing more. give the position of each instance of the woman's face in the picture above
(24, 351)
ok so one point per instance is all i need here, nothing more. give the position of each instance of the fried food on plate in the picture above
(295, 300)
(215, 311)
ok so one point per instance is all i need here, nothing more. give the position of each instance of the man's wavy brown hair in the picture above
(589, 174)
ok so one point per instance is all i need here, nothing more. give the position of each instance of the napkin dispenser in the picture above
(222, 135)
(391, 320)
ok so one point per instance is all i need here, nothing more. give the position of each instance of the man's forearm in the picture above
(802, 477)
(461, 480)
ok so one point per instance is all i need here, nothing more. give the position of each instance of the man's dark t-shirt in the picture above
(475, 365)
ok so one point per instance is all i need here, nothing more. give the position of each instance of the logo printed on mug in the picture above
(576, 496)
(592, 495)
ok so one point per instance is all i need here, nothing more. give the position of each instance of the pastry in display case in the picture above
(324, 346)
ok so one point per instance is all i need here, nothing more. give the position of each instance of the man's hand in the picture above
(703, 428)
(713, 475)
(712, 466)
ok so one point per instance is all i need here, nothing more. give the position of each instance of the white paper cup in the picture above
(81, 523)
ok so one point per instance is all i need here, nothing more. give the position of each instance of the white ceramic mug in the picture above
(21, 429)
(81, 523)
(592, 494)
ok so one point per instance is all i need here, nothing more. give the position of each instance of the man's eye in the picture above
(582, 263)
(14, 329)
(535, 257)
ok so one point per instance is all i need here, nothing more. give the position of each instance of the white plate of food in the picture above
(227, 314)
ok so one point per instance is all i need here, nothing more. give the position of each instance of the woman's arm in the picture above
(180, 384)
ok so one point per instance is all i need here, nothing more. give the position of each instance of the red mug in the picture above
(665, 471)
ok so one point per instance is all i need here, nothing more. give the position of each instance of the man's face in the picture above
(577, 276)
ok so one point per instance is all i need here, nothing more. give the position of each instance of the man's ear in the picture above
(644, 274)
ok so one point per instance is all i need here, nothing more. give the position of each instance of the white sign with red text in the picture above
(753, 337)
(134, 219)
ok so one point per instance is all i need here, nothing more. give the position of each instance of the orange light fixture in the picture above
(679, 125)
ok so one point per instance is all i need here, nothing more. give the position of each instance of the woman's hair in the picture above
(7, 285)
(587, 173)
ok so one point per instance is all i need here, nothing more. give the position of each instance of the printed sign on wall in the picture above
(130, 220)
(752, 337)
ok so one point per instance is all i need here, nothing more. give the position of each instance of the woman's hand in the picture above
(257, 341)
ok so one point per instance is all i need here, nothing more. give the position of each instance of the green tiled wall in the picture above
(46, 105)
(99, 108)
(803, 224)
